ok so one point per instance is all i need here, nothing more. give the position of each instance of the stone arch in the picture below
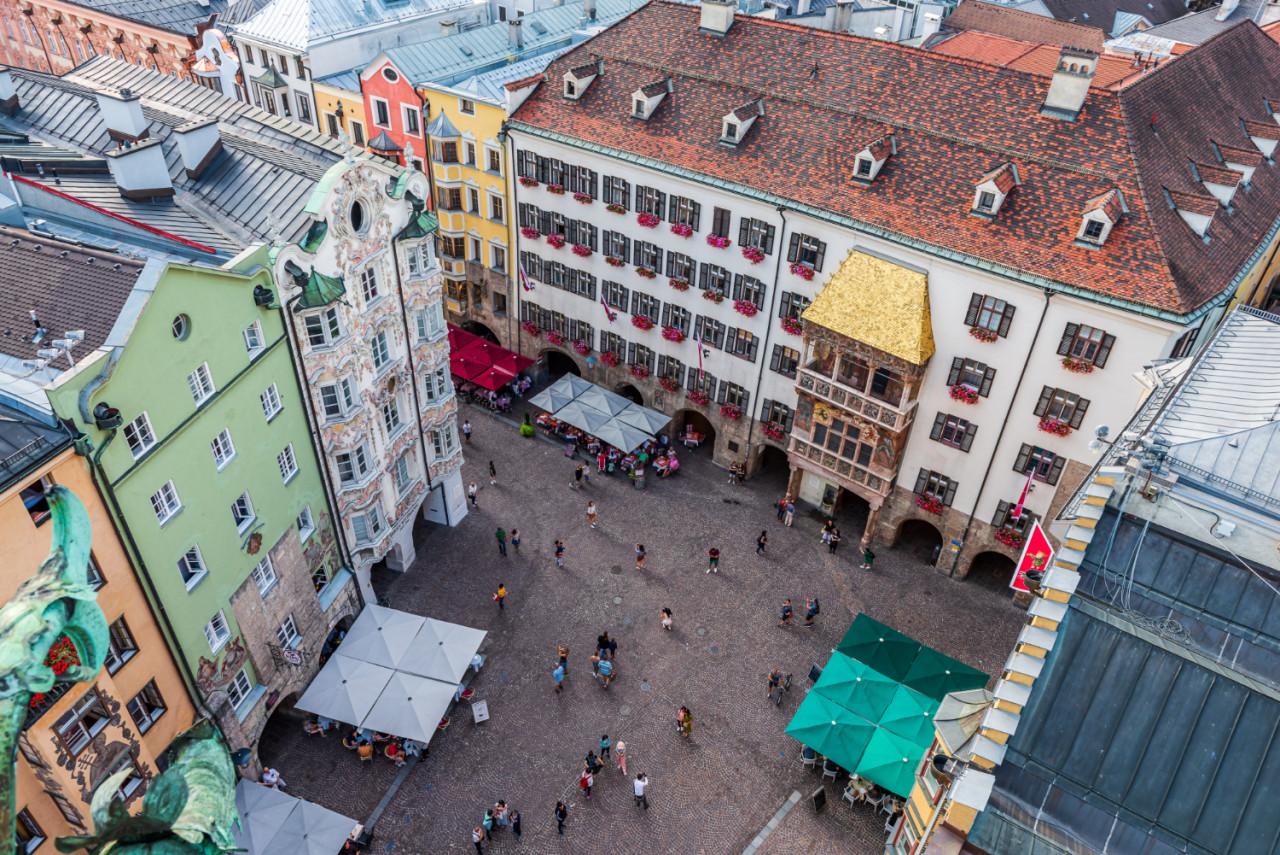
(920, 539)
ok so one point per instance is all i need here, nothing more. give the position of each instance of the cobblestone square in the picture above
(709, 794)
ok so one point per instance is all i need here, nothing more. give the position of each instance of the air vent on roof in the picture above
(466, 50)
(537, 27)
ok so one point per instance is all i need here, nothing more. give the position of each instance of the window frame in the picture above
(222, 456)
(222, 638)
(74, 718)
(252, 334)
(154, 713)
(288, 627)
(243, 523)
(291, 472)
(327, 329)
(206, 389)
(270, 395)
(121, 646)
(173, 508)
(195, 578)
(264, 575)
(234, 688)
(356, 462)
(144, 432)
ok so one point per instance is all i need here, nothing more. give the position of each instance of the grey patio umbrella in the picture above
(580, 416)
(603, 400)
(411, 706)
(381, 635)
(550, 399)
(263, 811)
(650, 421)
(312, 830)
(442, 651)
(622, 436)
(345, 689)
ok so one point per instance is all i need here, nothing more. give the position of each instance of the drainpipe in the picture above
(1048, 295)
(764, 349)
(513, 229)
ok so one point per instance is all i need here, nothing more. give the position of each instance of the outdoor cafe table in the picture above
(692, 439)
(545, 421)
(859, 788)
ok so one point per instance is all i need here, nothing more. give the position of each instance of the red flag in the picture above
(524, 280)
(1026, 488)
(608, 314)
(698, 342)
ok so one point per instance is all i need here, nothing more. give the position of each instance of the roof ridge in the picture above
(1138, 82)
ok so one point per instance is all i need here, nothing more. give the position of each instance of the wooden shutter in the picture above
(822, 254)
(744, 228)
(592, 237)
(939, 422)
(987, 379)
(1024, 458)
(1002, 511)
(720, 222)
(637, 253)
(768, 240)
(753, 349)
(625, 201)
(746, 403)
(921, 480)
(723, 394)
(737, 286)
(953, 377)
(1042, 406)
(950, 494)
(731, 337)
(697, 216)
(1082, 406)
(702, 276)
(1068, 336)
(776, 359)
(793, 248)
(1104, 350)
(571, 233)
(671, 264)
(693, 378)
(967, 442)
(657, 257)
(1006, 320)
(544, 222)
(666, 314)
(662, 204)
(1055, 469)
(631, 352)
(975, 305)
(635, 302)
(626, 246)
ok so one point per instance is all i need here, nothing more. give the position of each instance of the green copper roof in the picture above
(318, 290)
(420, 225)
(311, 240)
(271, 79)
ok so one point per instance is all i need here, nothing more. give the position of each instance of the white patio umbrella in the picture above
(381, 635)
(411, 706)
(580, 416)
(551, 400)
(263, 811)
(604, 400)
(442, 651)
(345, 689)
(622, 436)
(650, 421)
(311, 830)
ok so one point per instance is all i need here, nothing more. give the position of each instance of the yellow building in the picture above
(340, 106)
(77, 734)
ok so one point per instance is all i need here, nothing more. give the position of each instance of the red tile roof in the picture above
(1039, 59)
(1217, 174)
(1110, 203)
(1023, 26)
(1195, 203)
(1005, 178)
(1263, 130)
(880, 147)
(953, 120)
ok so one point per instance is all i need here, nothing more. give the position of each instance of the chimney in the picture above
(122, 114)
(514, 36)
(140, 171)
(8, 93)
(1224, 12)
(932, 23)
(717, 17)
(843, 18)
(448, 28)
(1070, 84)
(802, 7)
(199, 143)
(589, 9)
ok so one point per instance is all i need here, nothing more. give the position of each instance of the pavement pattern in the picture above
(708, 794)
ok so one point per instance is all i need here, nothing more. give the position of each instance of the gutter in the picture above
(1032, 280)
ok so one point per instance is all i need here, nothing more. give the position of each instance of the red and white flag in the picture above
(608, 314)
(697, 341)
(524, 280)
(1017, 509)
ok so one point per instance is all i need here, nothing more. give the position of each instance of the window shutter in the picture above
(744, 228)
(571, 233)
(625, 200)
(1104, 351)
(1082, 406)
(746, 403)
(544, 222)
(939, 422)
(793, 248)
(737, 286)
(752, 349)
(662, 203)
(776, 359)
(1068, 336)
(657, 259)
(822, 254)
(790, 420)
(723, 393)
(666, 314)
(671, 264)
(635, 302)
(702, 277)
(636, 255)
(631, 352)
(950, 495)
(953, 377)
(987, 379)
(768, 240)
(697, 216)
(1006, 320)
(1002, 511)
(971, 316)
(1042, 406)
(921, 480)
(693, 378)
(1024, 458)
(592, 234)
(1055, 470)
(730, 338)
(967, 442)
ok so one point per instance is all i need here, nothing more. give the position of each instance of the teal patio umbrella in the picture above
(890, 761)
(855, 686)
(910, 715)
(936, 675)
(880, 646)
(831, 730)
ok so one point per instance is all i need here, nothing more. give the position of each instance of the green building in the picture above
(199, 439)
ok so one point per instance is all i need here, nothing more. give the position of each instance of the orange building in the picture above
(79, 733)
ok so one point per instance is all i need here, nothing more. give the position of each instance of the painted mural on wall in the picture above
(215, 674)
(113, 746)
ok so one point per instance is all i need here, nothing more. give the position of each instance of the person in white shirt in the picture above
(271, 778)
(641, 783)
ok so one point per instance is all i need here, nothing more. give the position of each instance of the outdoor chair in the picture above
(808, 757)
(366, 753)
(830, 770)
(849, 796)
(887, 805)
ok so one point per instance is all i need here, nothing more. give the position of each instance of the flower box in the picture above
(647, 220)
(698, 397)
(932, 504)
(526, 181)
(556, 241)
(983, 334)
(556, 189)
(679, 284)
(773, 430)
(581, 347)
(584, 198)
(1010, 536)
(531, 328)
(555, 337)
(681, 229)
(615, 208)
(745, 307)
(582, 249)
(614, 261)
(792, 325)
(1055, 427)
(964, 394)
(729, 411)
(608, 357)
(639, 371)
(668, 384)
(750, 253)
(804, 271)
(531, 233)
(713, 296)
(1077, 366)
(642, 322)
(717, 241)
(646, 272)
(672, 334)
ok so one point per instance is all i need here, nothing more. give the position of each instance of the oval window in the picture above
(390, 75)
(181, 327)
(357, 217)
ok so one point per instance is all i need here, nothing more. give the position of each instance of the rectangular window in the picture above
(368, 525)
(381, 113)
(784, 360)
(191, 566)
(720, 220)
(685, 212)
(120, 648)
(287, 633)
(1062, 406)
(990, 314)
(714, 278)
(756, 234)
(320, 578)
(337, 398)
(165, 502)
(651, 201)
(242, 512)
(973, 374)
(613, 343)
(139, 435)
(497, 257)
(670, 368)
(470, 149)
(201, 383)
(222, 448)
(778, 413)
(807, 250)
(357, 133)
(638, 354)
(270, 402)
(473, 200)
(391, 417)
(675, 316)
(436, 385)
(411, 120)
(352, 465)
(495, 160)
(648, 256)
(306, 524)
(496, 208)
(80, 724)
(709, 331)
(453, 247)
(239, 688)
(27, 835)
(400, 474)
(852, 373)
(1042, 463)
(615, 295)
(617, 245)
(741, 343)
(936, 485)
(288, 463)
(886, 386)
(217, 632)
(264, 574)
(466, 106)
(323, 328)
(443, 442)
(381, 351)
(146, 707)
(953, 431)
(732, 393)
(1086, 344)
(304, 107)
(643, 304)
(253, 338)
(750, 289)
(681, 266)
(369, 284)
(616, 192)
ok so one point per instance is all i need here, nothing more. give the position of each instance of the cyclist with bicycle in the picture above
(775, 682)
(606, 672)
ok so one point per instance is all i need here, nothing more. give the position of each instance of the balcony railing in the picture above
(846, 397)
(844, 470)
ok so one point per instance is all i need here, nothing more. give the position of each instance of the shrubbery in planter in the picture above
(614, 261)
(584, 198)
(932, 504)
(556, 189)
(678, 284)
(750, 253)
(1055, 426)
(773, 430)
(792, 325)
(615, 208)
(698, 397)
(668, 384)
(531, 328)
(639, 371)
(672, 334)
(647, 220)
(556, 241)
(963, 394)
(730, 411)
(1010, 536)
(643, 322)
(983, 334)
(713, 296)
(530, 232)
(526, 181)
(745, 307)
(1077, 366)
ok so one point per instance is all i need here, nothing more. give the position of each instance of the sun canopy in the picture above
(442, 651)
(489, 365)
(831, 730)
(273, 822)
(411, 706)
(881, 647)
(607, 415)
(381, 636)
(345, 689)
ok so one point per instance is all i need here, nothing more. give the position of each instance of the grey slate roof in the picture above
(490, 85)
(299, 24)
(26, 442)
(1202, 26)
(178, 16)
(1102, 13)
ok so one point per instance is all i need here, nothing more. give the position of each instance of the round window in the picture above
(181, 327)
(390, 75)
(357, 217)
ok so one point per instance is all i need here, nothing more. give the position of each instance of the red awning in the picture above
(483, 362)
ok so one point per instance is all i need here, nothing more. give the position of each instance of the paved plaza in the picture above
(709, 794)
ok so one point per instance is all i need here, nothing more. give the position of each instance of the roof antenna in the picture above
(813, 72)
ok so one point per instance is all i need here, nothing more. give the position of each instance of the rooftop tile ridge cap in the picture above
(1166, 271)
(11, 233)
(1132, 83)
(891, 124)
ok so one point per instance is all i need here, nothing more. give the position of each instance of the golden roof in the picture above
(878, 303)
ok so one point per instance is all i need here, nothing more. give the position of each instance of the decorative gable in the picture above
(1264, 135)
(1101, 213)
(1196, 211)
(873, 155)
(993, 188)
(734, 126)
(1220, 181)
(647, 98)
(576, 80)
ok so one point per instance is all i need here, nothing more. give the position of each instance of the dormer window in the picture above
(872, 156)
(639, 108)
(993, 188)
(1101, 213)
(576, 80)
(986, 201)
(1196, 211)
(864, 167)
(731, 130)
(647, 98)
(570, 89)
(1094, 230)
(734, 126)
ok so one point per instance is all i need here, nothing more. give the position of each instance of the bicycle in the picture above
(781, 687)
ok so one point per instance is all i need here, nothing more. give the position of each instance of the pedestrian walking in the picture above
(613, 648)
(640, 554)
(641, 784)
(604, 747)
(500, 813)
(606, 672)
(790, 515)
(833, 542)
(592, 764)
(684, 722)
(591, 513)
(515, 540)
(761, 542)
(500, 595)
(586, 781)
(501, 536)
(578, 475)
(595, 664)
(867, 556)
(733, 473)
(602, 645)
(477, 834)
(558, 676)
(666, 618)
(811, 612)
(563, 653)
(559, 553)
(713, 560)
(488, 825)
(782, 506)
(620, 751)
(827, 529)
(493, 474)
(466, 431)
(786, 614)
(562, 813)
(471, 493)
(515, 823)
